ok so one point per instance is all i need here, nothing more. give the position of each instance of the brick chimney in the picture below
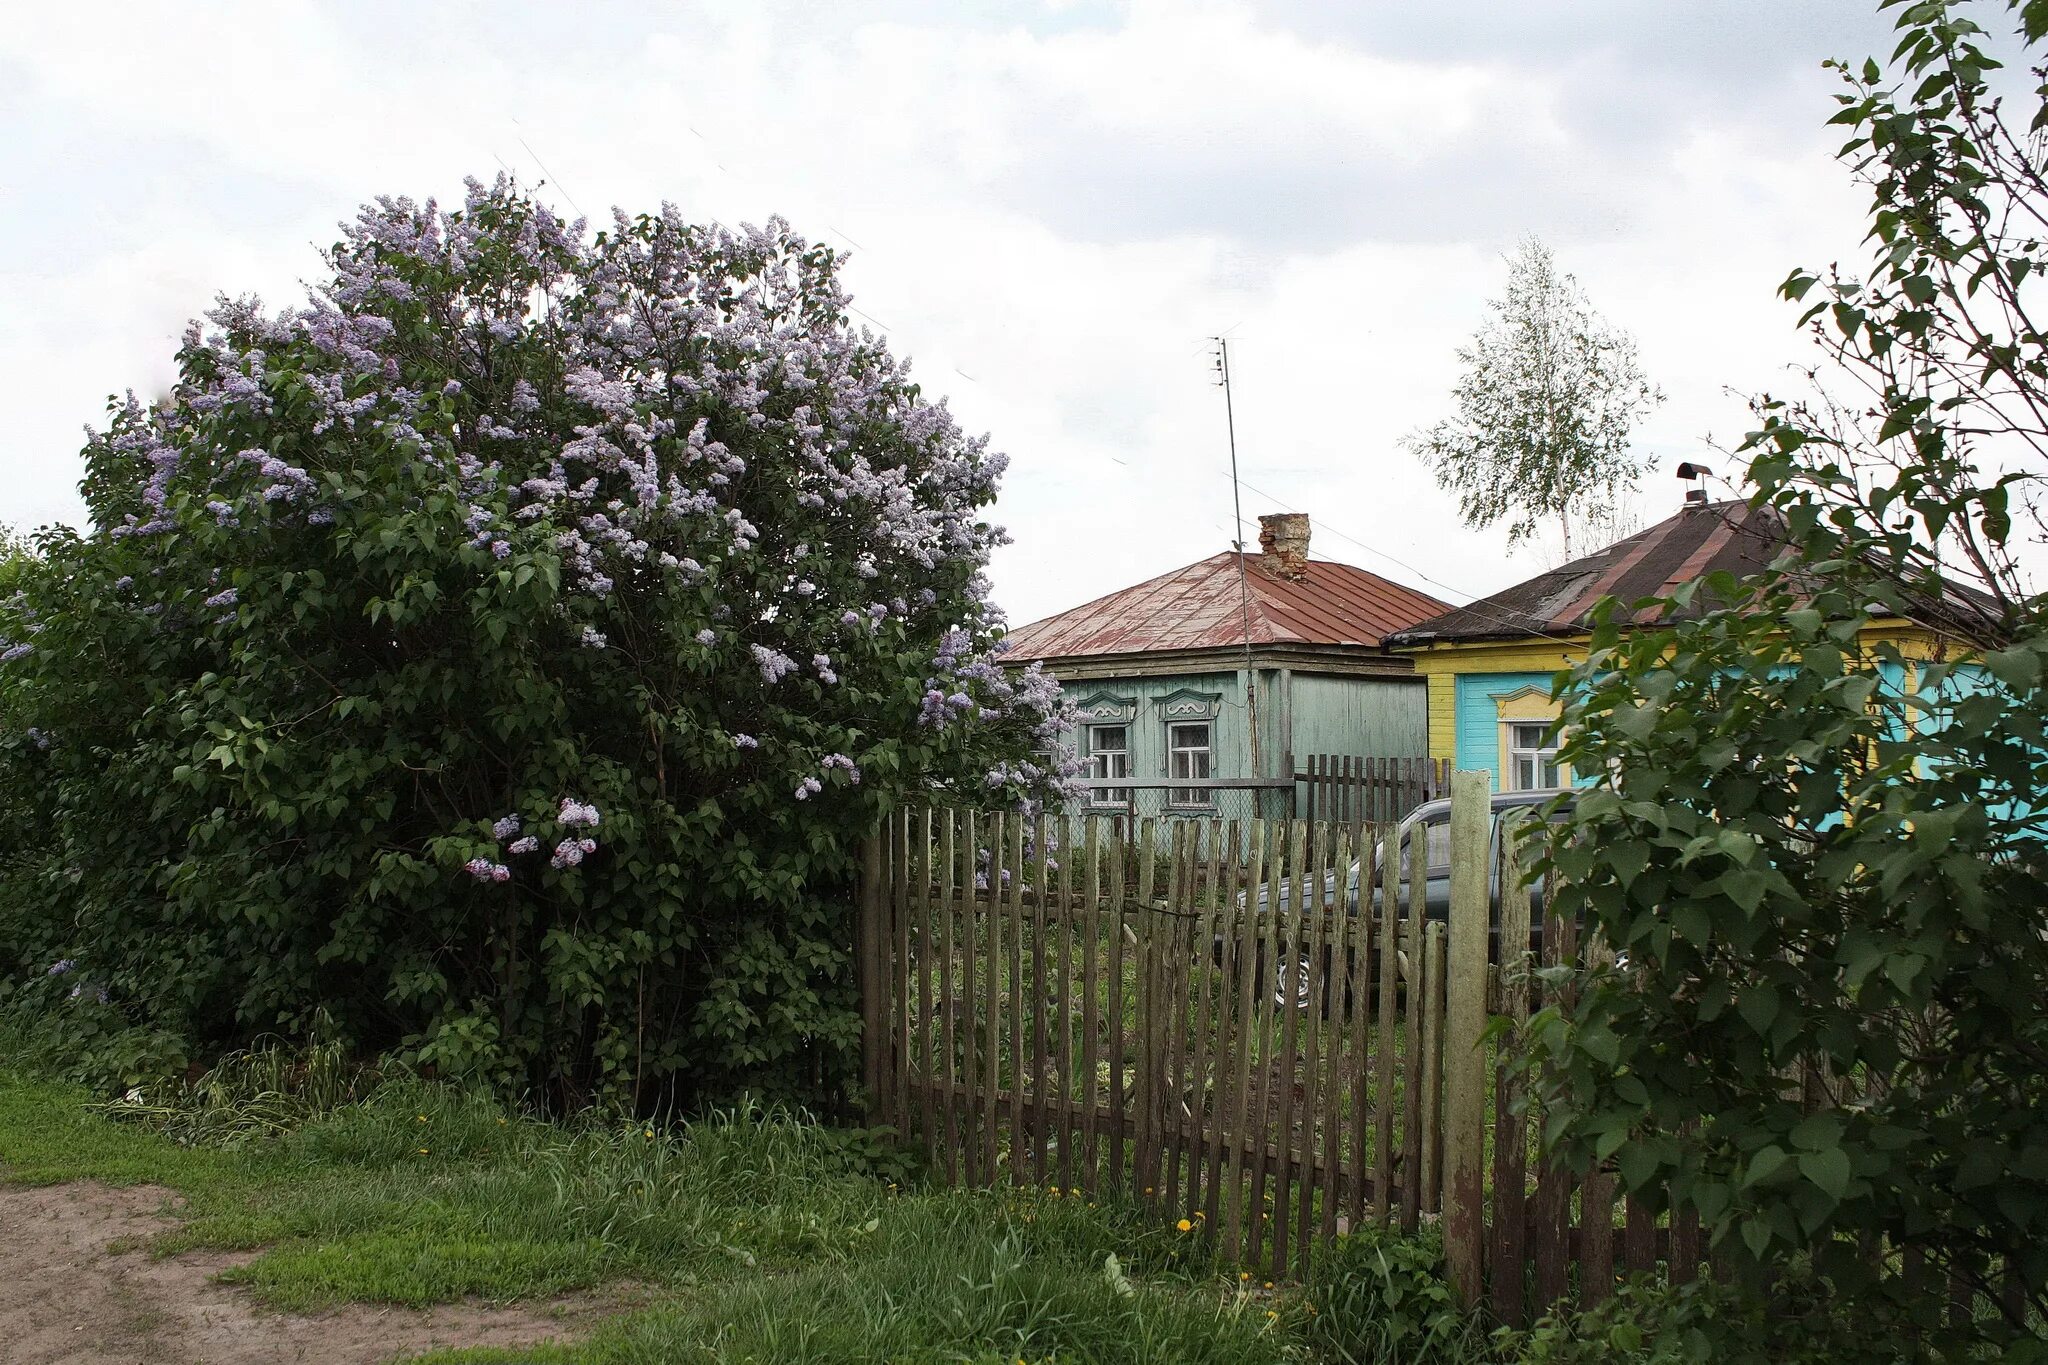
(1283, 540)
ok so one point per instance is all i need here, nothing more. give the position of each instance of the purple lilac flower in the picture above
(226, 597)
(13, 652)
(501, 549)
(451, 388)
(745, 742)
(124, 582)
(527, 844)
(707, 636)
(505, 827)
(593, 638)
(484, 870)
(587, 844)
(568, 853)
(774, 663)
(60, 967)
(808, 788)
(574, 813)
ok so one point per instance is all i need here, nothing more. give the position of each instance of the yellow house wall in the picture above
(1442, 665)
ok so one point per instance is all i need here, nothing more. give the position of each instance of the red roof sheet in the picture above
(1198, 607)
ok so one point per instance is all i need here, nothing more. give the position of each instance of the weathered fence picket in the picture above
(1260, 1027)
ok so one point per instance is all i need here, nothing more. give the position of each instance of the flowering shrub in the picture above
(507, 651)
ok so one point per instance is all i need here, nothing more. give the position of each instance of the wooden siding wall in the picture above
(1299, 713)
(1478, 736)
(1374, 716)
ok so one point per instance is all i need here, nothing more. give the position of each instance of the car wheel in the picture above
(1290, 984)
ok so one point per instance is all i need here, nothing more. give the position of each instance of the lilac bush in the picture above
(442, 643)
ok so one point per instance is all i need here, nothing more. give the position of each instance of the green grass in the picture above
(753, 1237)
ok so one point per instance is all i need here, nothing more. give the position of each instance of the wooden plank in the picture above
(971, 996)
(1639, 1238)
(1465, 1072)
(1264, 1044)
(1596, 1239)
(1034, 1064)
(992, 1067)
(1384, 1039)
(903, 993)
(1022, 1074)
(1685, 1246)
(1550, 1211)
(1432, 1065)
(1344, 1000)
(1173, 1015)
(1091, 1010)
(1202, 1057)
(1288, 1055)
(1359, 1072)
(949, 988)
(870, 988)
(1145, 1073)
(1061, 953)
(927, 962)
(1410, 945)
(1215, 962)
(1316, 937)
(1119, 1035)
(1241, 977)
(1510, 1135)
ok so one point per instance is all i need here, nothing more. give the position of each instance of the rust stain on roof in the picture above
(1700, 539)
(1199, 607)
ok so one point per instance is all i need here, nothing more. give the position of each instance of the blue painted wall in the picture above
(1478, 717)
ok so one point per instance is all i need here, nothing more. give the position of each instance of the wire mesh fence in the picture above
(1128, 801)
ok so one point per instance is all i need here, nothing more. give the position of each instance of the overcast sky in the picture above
(1049, 206)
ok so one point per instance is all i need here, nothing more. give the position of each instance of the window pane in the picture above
(1188, 758)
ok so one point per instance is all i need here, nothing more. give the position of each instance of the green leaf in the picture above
(1828, 1169)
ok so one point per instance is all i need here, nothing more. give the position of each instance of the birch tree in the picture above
(1545, 407)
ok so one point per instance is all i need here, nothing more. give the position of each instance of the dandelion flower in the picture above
(1185, 1226)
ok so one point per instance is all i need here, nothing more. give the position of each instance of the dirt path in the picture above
(64, 1297)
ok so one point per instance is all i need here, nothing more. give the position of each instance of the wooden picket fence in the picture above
(1352, 789)
(1077, 1004)
(1107, 1016)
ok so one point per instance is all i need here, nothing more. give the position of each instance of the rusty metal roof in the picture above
(1702, 538)
(1198, 607)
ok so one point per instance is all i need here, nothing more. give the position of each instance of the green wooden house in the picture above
(1229, 668)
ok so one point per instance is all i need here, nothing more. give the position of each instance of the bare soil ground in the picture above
(72, 1294)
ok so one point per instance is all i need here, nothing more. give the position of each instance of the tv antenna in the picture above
(1244, 596)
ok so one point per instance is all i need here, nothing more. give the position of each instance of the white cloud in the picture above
(1052, 210)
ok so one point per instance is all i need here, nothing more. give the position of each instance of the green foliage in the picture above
(1381, 1299)
(506, 654)
(1823, 852)
(1545, 406)
(752, 1236)
(264, 1091)
(1651, 1322)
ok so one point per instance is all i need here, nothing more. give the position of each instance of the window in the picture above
(1532, 757)
(1109, 756)
(1187, 758)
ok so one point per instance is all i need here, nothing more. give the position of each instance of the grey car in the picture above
(1431, 822)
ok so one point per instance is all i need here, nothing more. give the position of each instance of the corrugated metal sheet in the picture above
(1702, 538)
(1197, 607)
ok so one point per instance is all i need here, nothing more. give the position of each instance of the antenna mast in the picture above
(1244, 596)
